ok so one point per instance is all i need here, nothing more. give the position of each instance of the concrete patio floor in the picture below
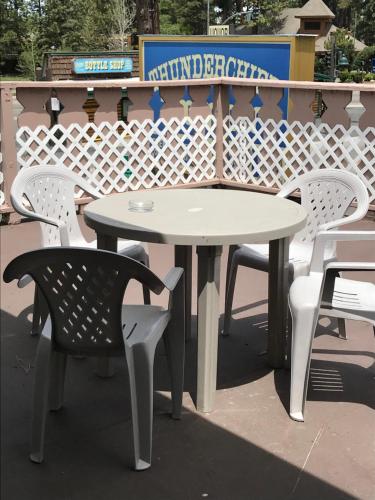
(247, 448)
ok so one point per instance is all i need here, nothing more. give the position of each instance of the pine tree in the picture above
(12, 28)
(62, 24)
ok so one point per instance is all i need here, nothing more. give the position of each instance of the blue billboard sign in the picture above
(95, 65)
(280, 57)
(189, 60)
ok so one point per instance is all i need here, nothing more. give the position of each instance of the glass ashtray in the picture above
(141, 205)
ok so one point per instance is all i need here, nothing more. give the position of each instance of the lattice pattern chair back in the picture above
(50, 191)
(84, 290)
(326, 195)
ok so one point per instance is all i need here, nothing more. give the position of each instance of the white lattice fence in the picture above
(119, 157)
(267, 153)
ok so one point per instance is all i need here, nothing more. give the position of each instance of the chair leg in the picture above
(304, 324)
(183, 258)
(288, 356)
(174, 340)
(229, 287)
(58, 368)
(40, 397)
(342, 328)
(140, 360)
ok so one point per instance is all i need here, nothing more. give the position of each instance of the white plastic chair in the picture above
(49, 191)
(84, 291)
(324, 292)
(326, 194)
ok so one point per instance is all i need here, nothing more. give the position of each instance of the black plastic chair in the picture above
(84, 290)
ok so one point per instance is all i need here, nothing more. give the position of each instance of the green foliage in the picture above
(356, 76)
(344, 44)
(12, 27)
(267, 17)
(189, 17)
(169, 24)
(356, 15)
(82, 25)
(365, 30)
(363, 59)
(192, 16)
(322, 64)
(62, 23)
(27, 64)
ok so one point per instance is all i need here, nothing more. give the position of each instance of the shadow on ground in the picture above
(88, 445)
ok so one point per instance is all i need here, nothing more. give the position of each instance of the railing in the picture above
(231, 131)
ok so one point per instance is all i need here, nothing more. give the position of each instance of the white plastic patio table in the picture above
(209, 219)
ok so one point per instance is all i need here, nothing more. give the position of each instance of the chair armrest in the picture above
(24, 280)
(357, 215)
(61, 226)
(89, 188)
(172, 278)
(350, 266)
(346, 235)
(324, 236)
(147, 278)
(22, 210)
(47, 220)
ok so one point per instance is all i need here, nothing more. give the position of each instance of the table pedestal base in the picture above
(278, 278)
(208, 324)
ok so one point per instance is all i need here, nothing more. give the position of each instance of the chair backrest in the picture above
(84, 291)
(50, 192)
(326, 195)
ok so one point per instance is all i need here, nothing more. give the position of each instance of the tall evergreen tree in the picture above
(62, 23)
(365, 21)
(12, 29)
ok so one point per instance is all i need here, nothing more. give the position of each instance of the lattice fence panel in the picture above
(120, 157)
(268, 153)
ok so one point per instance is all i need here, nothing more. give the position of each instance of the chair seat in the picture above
(351, 299)
(299, 256)
(122, 245)
(142, 322)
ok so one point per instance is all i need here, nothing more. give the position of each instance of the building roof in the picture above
(291, 24)
(320, 41)
(315, 8)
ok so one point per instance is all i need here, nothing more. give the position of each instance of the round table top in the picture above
(197, 217)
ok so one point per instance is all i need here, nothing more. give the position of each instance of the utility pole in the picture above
(333, 57)
(147, 14)
(208, 16)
